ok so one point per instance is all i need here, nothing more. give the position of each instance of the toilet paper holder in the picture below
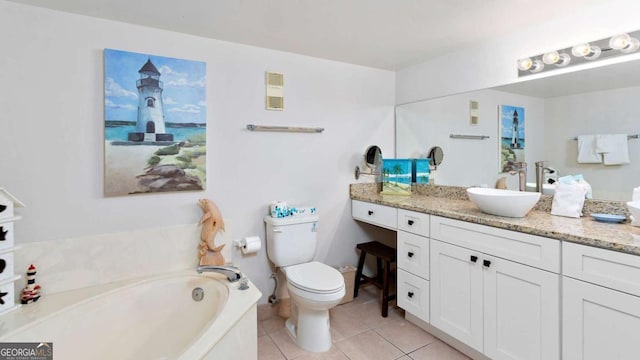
(249, 244)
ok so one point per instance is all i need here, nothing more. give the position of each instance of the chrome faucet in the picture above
(232, 272)
(541, 169)
(519, 168)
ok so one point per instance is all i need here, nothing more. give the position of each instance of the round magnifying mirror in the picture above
(436, 154)
(373, 157)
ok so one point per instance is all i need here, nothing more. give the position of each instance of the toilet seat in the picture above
(315, 277)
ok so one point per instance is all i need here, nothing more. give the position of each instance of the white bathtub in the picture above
(153, 318)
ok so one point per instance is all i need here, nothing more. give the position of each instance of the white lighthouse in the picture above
(150, 122)
(514, 131)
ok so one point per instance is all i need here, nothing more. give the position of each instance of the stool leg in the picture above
(385, 289)
(356, 286)
(380, 270)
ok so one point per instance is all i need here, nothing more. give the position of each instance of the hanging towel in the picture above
(587, 150)
(614, 148)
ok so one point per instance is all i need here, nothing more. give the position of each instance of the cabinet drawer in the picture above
(375, 214)
(413, 295)
(608, 268)
(413, 254)
(413, 222)
(532, 250)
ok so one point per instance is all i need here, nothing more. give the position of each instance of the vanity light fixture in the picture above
(581, 53)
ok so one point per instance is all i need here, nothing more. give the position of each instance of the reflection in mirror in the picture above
(557, 108)
(436, 155)
(372, 159)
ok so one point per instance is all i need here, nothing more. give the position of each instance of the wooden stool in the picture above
(381, 279)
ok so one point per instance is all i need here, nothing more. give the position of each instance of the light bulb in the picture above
(551, 57)
(634, 44)
(537, 66)
(525, 64)
(564, 60)
(581, 50)
(620, 42)
(594, 53)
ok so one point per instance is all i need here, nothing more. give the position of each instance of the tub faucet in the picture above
(232, 272)
(519, 168)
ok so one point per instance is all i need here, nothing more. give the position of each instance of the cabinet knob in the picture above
(474, 258)
(410, 294)
(370, 212)
(410, 254)
(486, 263)
(410, 222)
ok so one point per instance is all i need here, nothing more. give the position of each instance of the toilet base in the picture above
(311, 329)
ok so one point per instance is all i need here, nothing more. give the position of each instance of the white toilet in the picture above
(314, 287)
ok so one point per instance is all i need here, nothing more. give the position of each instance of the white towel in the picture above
(587, 150)
(614, 148)
(636, 194)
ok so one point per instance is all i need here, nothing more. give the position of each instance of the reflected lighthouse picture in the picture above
(512, 135)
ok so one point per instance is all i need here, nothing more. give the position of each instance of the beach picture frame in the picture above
(511, 131)
(396, 176)
(154, 124)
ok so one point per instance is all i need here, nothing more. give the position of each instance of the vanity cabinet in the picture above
(601, 303)
(502, 308)
(379, 215)
(413, 263)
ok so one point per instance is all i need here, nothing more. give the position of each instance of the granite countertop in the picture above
(619, 237)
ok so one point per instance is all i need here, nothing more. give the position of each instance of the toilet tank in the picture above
(291, 240)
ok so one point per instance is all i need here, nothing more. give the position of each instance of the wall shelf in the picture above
(296, 129)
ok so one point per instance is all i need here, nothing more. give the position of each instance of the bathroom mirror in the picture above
(372, 159)
(436, 155)
(558, 108)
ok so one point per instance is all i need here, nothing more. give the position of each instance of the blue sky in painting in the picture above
(506, 119)
(184, 86)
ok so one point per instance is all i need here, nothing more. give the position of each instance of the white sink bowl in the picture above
(634, 210)
(503, 202)
(547, 189)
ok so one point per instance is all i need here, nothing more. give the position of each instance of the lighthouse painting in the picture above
(155, 124)
(511, 135)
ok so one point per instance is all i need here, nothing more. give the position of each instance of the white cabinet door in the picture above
(599, 323)
(456, 292)
(522, 311)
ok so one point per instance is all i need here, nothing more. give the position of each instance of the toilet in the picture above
(314, 287)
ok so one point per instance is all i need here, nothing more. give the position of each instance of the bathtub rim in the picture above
(242, 300)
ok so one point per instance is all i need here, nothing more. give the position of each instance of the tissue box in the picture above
(420, 171)
(396, 176)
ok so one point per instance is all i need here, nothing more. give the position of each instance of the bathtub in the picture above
(152, 318)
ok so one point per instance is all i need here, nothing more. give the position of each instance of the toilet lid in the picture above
(315, 277)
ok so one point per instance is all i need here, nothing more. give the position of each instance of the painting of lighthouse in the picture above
(512, 135)
(155, 124)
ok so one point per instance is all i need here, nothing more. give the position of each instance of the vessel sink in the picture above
(634, 210)
(503, 202)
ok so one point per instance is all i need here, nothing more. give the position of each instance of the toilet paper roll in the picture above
(251, 244)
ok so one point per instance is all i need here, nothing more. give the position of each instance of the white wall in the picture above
(493, 63)
(424, 124)
(51, 133)
(600, 112)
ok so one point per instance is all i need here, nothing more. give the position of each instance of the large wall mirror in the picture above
(603, 100)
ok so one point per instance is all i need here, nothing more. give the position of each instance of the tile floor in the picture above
(359, 332)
